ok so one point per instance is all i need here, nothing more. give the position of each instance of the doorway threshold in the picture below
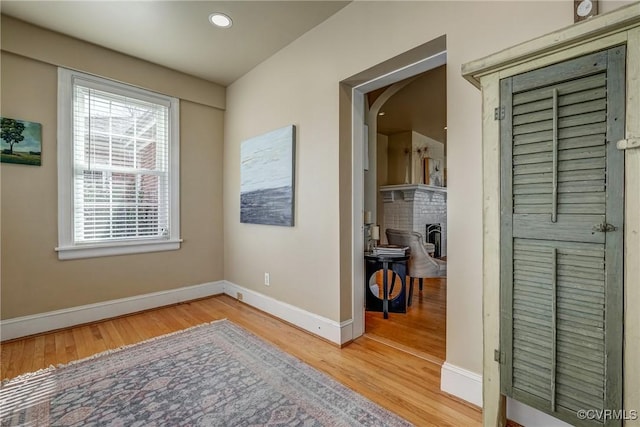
(414, 352)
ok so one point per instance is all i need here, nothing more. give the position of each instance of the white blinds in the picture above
(121, 166)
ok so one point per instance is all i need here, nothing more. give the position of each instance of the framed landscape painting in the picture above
(21, 142)
(267, 172)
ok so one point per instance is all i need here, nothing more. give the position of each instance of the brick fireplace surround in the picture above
(412, 206)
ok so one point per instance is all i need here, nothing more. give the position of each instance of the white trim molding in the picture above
(338, 333)
(122, 248)
(530, 417)
(461, 383)
(346, 332)
(467, 385)
(52, 320)
(70, 165)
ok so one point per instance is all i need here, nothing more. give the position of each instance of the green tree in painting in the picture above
(11, 132)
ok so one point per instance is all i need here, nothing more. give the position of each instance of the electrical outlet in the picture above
(239, 296)
(267, 279)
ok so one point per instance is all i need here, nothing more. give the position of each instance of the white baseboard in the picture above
(467, 385)
(530, 417)
(461, 383)
(338, 333)
(34, 324)
(346, 331)
(333, 331)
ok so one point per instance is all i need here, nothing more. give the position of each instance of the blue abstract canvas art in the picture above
(267, 178)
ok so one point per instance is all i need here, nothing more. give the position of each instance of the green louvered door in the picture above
(562, 236)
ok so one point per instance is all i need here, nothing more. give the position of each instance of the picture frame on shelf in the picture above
(433, 172)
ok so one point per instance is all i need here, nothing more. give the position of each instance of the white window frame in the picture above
(67, 247)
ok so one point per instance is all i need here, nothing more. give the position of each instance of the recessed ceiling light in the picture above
(220, 20)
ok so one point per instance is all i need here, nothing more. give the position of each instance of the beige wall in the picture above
(300, 85)
(399, 171)
(399, 144)
(33, 280)
(382, 164)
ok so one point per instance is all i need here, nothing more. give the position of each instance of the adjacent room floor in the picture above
(422, 330)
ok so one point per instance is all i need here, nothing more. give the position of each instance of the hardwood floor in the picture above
(423, 329)
(396, 380)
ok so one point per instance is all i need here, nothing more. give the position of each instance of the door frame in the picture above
(404, 66)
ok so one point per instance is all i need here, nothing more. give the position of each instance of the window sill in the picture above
(119, 248)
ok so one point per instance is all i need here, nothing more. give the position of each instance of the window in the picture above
(118, 168)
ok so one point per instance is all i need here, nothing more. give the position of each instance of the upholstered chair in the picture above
(421, 264)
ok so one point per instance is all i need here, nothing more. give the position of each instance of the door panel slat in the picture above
(563, 123)
(563, 144)
(541, 104)
(566, 111)
(560, 178)
(596, 81)
(588, 129)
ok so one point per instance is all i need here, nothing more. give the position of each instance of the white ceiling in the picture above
(177, 34)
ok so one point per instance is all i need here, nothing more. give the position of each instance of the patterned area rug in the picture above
(212, 375)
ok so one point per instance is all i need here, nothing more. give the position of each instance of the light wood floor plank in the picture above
(110, 335)
(60, 349)
(25, 363)
(7, 358)
(70, 351)
(399, 381)
(81, 342)
(95, 342)
(38, 352)
(169, 317)
(49, 350)
(127, 331)
(422, 330)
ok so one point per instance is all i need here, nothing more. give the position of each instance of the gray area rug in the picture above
(212, 375)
